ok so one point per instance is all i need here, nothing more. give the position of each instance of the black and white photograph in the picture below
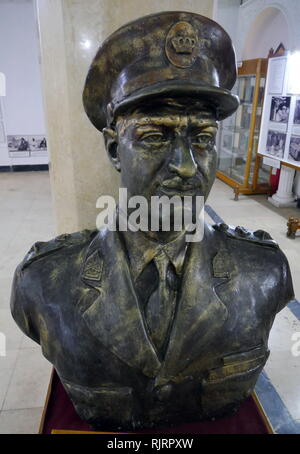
(294, 149)
(297, 113)
(24, 145)
(275, 144)
(280, 109)
(227, 141)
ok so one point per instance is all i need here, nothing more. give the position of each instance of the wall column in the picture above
(284, 196)
(70, 34)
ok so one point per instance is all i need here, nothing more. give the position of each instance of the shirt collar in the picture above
(142, 249)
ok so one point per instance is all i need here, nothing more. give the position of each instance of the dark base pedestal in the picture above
(60, 417)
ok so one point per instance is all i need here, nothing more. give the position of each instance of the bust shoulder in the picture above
(42, 249)
(257, 259)
(259, 237)
(26, 302)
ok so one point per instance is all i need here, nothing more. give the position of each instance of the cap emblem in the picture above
(182, 45)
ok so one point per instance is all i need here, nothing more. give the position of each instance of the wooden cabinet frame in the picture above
(257, 68)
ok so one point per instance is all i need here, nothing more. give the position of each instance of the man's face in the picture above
(170, 152)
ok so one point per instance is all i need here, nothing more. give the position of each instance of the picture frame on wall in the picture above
(25, 145)
(280, 109)
(276, 72)
(275, 143)
(227, 141)
(296, 120)
(294, 149)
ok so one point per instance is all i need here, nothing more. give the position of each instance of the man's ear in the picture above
(111, 145)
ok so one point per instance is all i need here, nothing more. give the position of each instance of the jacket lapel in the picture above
(112, 314)
(200, 313)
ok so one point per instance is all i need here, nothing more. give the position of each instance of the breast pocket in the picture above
(102, 407)
(227, 386)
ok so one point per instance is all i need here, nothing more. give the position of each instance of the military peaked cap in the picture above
(163, 54)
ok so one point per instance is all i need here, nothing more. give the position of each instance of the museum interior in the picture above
(53, 170)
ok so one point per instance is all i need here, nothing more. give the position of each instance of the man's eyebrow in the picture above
(158, 121)
(175, 121)
(203, 123)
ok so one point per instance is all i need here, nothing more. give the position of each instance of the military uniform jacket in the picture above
(75, 296)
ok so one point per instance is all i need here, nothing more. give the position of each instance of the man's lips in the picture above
(175, 185)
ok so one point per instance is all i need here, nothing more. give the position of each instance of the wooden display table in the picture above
(59, 416)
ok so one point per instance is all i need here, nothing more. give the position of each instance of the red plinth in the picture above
(59, 414)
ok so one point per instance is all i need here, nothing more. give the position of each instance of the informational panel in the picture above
(280, 127)
(21, 149)
(27, 146)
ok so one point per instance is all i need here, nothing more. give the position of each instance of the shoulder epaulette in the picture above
(42, 248)
(240, 233)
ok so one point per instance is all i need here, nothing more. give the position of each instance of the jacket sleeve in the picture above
(23, 307)
(286, 288)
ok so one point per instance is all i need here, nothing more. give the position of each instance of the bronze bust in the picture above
(145, 329)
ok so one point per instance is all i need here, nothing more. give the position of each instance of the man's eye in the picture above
(156, 137)
(204, 140)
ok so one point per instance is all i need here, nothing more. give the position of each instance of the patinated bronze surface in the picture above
(145, 329)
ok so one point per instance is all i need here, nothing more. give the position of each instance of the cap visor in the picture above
(223, 101)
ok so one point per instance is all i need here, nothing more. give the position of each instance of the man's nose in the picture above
(182, 161)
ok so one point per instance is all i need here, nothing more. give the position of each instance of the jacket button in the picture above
(163, 392)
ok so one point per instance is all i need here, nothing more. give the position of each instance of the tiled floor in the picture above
(26, 217)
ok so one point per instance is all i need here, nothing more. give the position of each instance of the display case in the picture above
(238, 162)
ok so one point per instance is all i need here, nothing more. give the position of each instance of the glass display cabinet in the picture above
(238, 162)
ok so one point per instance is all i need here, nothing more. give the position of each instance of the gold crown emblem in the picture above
(184, 44)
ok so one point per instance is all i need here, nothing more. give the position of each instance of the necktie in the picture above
(160, 308)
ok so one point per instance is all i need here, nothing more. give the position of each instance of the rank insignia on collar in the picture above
(221, 264)
(92, 269)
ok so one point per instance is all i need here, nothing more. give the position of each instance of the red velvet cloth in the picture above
(274, 181)
(60, 414)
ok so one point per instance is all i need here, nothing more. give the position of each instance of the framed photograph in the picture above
(280, 109)
(294, 149)
(243, 143)
(276, 74)
(297, 113)
(20, 146)
(227, 141)
(38, 146)
(275, 143)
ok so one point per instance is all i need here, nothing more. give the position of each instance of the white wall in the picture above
(19, 61)
(269, 29)
(258, 25)
(226, 13)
